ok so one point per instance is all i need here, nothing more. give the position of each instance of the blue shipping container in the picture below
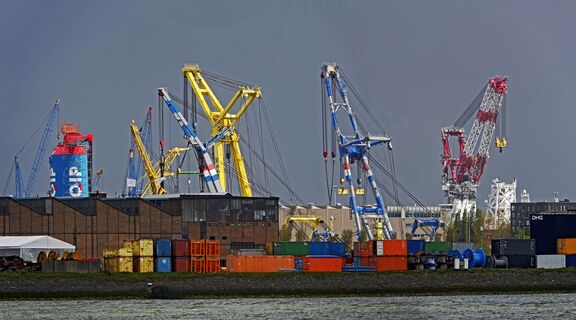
(415, 246)
(571, 260)
(162, 264)
(162, 248)
(328, 248)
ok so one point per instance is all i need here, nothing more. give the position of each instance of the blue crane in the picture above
(355, 148)
(27, 191)
(431, 224)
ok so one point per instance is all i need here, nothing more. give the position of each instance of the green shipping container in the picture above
(298, 249)
(437, 246)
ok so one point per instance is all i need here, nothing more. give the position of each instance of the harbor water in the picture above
(532, 306)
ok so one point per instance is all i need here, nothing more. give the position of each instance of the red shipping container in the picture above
(212, 265)
(321, 264)
(395, 248)
(363, 249)
(367, 261)
(391, 263)
(180, 248)
(198, 265)
(258, 263)
(181, 264)
(197, 248)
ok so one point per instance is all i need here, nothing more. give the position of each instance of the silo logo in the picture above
(75, 179)
(540, 217)
(52, 182)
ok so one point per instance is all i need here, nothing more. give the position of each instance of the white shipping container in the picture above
(551, 261)
(379, 248)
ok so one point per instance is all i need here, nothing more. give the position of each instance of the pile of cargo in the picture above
(513, 253)
(382, 255)
(178, 255)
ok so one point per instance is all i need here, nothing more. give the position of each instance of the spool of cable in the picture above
(455, 254)
(476, 258)
(501, 263)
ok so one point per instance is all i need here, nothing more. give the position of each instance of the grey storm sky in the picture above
(418, 64)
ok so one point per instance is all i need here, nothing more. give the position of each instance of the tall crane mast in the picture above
(461, 175)
(205, 163)
(168, 160)
(28, 189)
(148, 166)
(220, 117)
(355, 148)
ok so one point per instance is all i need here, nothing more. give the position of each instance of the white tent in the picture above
(28, 247)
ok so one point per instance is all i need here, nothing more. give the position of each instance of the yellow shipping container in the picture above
(111, 264)
(142, 247)
(567, 246)
(125, 252)
(125, 264)
(143, 264)
(110, 253)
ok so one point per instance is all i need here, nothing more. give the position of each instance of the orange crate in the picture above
(198, 248)
(322, 264)
(212, 265)
(198, 264)
(395, 248)
(212, 248)
(567, 246)
(389, 263)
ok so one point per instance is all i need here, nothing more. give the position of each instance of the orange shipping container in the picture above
(391, 263)
(198, 248)
(363, 249)
(212, 248)
(212, 265)
(322, 264)
(198, 264)
(395, 248)
(567, 246)
(259, 263)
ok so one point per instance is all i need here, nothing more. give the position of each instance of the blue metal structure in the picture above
(355, 148)
(27, 191)
(432, 224)
(205, 163)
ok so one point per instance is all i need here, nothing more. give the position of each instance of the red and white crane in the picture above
(461, 174)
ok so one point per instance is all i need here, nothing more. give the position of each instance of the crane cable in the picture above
(471, 109)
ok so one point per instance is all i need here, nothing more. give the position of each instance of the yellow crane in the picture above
(168, 160)
(220, 118)
(148, 166)
(319, 230)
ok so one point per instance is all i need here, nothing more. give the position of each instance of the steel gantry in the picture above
(220, 118)
(355, 148)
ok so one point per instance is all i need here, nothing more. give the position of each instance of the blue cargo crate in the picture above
(571, 260)
(415, 246)
(162, 248)
(162, 264)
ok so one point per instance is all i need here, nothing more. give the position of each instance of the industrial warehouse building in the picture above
(95, 223)
(520, 214)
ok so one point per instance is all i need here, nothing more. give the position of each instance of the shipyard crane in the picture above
(28, 189)
(134, 180)
(205, 163)
(461, 175)
(430, 227)
(355, 148)
(148, 166)
(168, 160)
(320, 231)
(220, 117)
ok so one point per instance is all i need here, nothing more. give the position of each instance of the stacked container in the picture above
(298, 249)
(438, 247)
(163, 254)
(143, 255)
(519, 253)
(394, 255)
(110, 260)
(337, 249)
(198, 255)
(546, 229)
(322, 264)
(212, 260)
(567, 247)
(181, 255)
(125, 259)
(415, 250)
